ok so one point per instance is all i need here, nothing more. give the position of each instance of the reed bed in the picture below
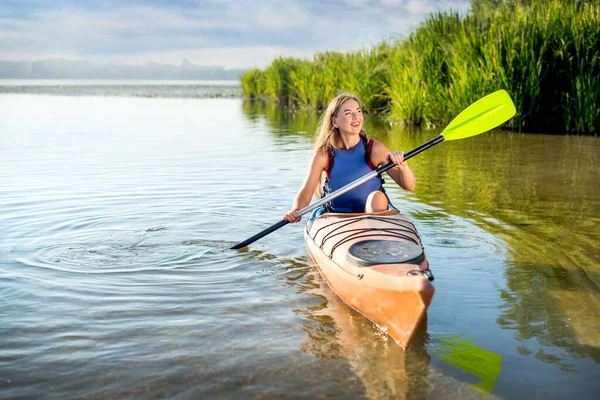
(545, 53)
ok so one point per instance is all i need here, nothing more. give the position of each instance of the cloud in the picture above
(255, 31)
(230, 57)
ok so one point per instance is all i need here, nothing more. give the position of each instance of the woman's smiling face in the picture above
(349, 118)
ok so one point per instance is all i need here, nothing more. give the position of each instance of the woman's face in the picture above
(349, 118)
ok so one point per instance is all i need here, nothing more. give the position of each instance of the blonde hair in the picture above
(328, 136)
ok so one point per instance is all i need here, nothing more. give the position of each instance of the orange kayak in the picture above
(376, 264)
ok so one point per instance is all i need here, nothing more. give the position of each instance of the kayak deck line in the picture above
(385, 253)
(400, 229)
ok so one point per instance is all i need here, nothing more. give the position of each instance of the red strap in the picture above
(330, 153)
(369, 162)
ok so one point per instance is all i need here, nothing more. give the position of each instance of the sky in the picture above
(231, 33)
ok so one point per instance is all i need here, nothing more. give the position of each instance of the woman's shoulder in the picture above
(322, 153)
(321, 157)
(379, 152)
(376, 145)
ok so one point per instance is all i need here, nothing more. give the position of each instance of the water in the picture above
(123, 88)
(116, 213)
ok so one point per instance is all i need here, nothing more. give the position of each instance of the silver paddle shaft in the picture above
(338, 192)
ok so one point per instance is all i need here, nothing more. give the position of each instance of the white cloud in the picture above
(230, 57)
(419, 7)
(241, 32)
(358, 3)
(290, 17)
(392, 2)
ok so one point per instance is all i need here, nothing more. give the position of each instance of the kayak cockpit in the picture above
(367, 253)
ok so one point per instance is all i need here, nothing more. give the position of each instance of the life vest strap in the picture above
(367, 143)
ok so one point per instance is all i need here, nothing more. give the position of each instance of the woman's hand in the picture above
(292, 216)
(397, 157)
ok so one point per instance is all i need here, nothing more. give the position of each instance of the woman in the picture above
(344, 154)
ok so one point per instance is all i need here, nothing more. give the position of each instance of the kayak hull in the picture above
(391, 286)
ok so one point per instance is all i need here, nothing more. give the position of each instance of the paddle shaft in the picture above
(339, 192)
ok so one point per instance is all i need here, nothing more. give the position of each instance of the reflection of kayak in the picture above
(385, 370)
(375, 263)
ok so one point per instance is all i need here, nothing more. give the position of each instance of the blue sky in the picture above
(234, 33)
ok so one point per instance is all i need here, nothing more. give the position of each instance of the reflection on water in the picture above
(117, 214)
(463, 354)
(334, 330)
(384, 369)
(556, 306)
(124, 88)
(541, 198)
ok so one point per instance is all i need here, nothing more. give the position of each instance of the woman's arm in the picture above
(318, 164)
(401, 173)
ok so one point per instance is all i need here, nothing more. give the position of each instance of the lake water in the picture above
(117, 209)
(122, 88)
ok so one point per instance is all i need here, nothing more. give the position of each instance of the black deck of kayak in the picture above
(376, 252)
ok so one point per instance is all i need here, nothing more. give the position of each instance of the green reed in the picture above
(544, 53)
(253, 83)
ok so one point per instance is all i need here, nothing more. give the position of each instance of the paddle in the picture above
(481, 116)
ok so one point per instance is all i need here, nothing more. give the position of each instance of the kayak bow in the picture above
(375, 263)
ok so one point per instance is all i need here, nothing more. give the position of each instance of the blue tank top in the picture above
(348, 166)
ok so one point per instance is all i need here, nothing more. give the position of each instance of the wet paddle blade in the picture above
(485, 114)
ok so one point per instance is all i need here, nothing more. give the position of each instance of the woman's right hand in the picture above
(292, 216)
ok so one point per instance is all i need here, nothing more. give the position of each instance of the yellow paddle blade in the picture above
(481, 116)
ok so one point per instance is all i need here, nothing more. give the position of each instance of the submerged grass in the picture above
(544, 53)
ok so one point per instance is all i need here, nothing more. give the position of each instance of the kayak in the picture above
(376, 264)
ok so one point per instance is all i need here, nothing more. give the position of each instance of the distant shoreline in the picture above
(148, 88)
(82, 69)
(116, 81)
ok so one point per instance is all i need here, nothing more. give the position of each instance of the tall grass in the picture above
(545, 53)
